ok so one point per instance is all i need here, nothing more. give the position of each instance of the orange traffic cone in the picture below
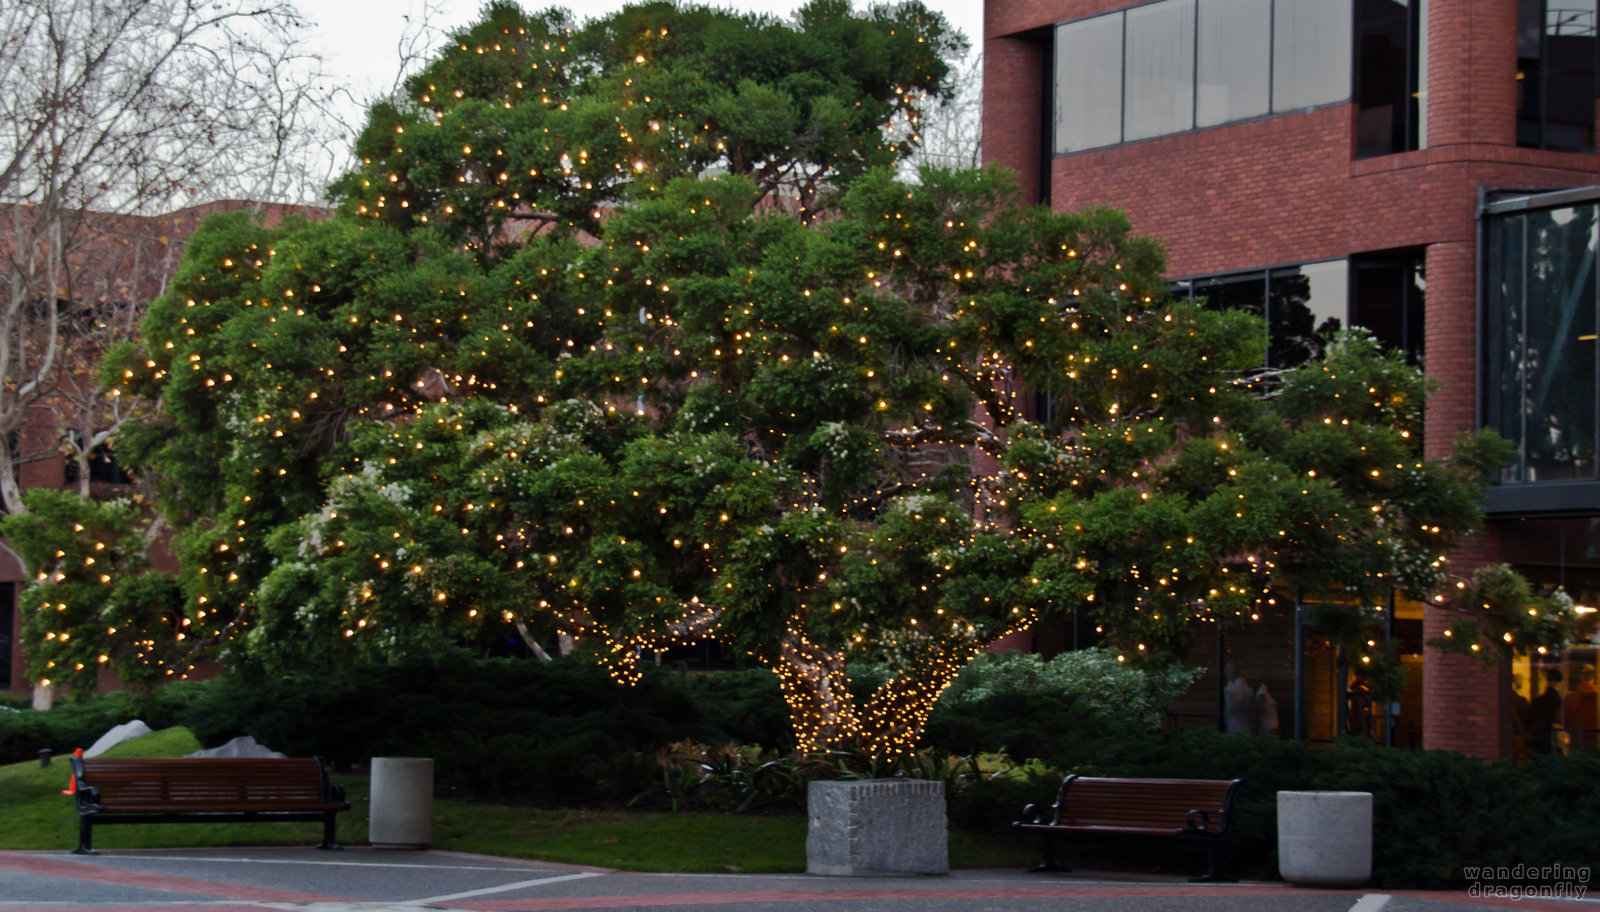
(72, 787)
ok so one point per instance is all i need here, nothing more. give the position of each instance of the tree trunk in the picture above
(823, 715)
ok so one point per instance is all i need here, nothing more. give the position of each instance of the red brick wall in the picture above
(1013, 81)
(1286, 189)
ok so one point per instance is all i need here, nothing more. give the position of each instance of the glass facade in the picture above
(1303, 304)
(1556, 74)
(1175, 65)
(1542, 378)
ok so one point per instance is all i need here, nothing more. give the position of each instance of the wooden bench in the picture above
(204, 790)
(1193, 811)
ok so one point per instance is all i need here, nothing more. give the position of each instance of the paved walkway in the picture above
(368, 880)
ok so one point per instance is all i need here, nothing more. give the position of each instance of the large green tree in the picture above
(623, 332)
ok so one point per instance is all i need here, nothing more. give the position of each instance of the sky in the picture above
(358, 39)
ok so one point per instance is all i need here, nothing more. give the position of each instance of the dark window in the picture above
(1391, 76)
(8, 620)
(1542, 390)
(1556, 69)
(103, 467)
(1170, 66)
(1387, 296)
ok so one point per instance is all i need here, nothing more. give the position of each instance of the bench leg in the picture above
(1048, 850)
(329, 838)
(84, 837)
(1213, 870)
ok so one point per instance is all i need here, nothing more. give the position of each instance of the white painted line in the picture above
(501, 889)
(1372, 902)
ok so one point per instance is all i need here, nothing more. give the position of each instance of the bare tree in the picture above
(113, 113)
(950, 131)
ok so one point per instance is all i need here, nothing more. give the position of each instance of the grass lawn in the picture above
(35, 815)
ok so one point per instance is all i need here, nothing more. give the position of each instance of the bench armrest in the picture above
(88, 799)
(335, 793)
(1198, 821)
(1034, 815)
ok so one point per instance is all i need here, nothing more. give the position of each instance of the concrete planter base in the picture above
(1325, 838)
(878, 826)
(402, 803)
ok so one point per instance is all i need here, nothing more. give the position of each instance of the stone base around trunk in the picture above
(877, 827)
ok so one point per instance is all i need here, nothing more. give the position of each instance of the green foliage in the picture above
(79, 723)
(1030, 707)
(1498, 609)
(468, 402)
(1139, 696)
(527, 116)
(551, 732)
(95, 602)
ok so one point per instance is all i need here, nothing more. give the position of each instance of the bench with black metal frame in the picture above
(204, 790)
(1192, 811)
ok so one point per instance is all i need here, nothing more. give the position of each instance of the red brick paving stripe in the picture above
(647, 900)
(73, 870)
(150, 907)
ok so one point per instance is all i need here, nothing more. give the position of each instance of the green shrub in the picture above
(1031, 707)
(552, 732)
(79, 723)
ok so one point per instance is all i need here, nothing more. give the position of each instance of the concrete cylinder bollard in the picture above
(402, 803)
(1325, 838)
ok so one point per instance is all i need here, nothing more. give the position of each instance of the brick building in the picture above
(1424, 168)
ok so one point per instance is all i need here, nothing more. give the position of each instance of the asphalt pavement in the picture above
(373, 880)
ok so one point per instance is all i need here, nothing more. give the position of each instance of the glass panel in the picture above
(1419, 51)
(1160, 70)
(1383, 77)
(1310, 53)
(1305, 304)
(1503, 349)
(1088, 83)
(1234, 60)
(1559, 399)
(1569, 90)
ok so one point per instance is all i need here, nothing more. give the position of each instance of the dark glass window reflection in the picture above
(1556, 71)
(1387, 296)
(1301, 305)
(1543, 378)
(1391, 76)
